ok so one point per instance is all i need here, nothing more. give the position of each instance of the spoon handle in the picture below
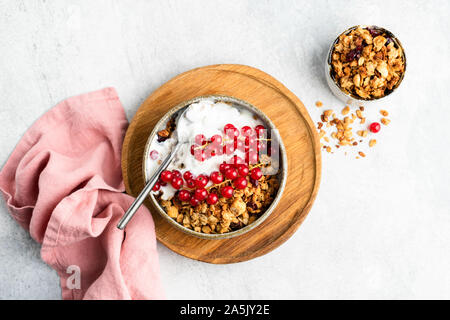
(148, 187)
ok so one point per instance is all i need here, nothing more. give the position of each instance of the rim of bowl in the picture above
(329, 67)
(282, 174)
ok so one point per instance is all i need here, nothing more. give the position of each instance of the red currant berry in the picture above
(236, 160)
(154, 154)
(190, 184)
(240, 183)
(162, 183)
(193, 149)
(223, 167)
(156, 187)
(231, 131)
(200, 155)
(260, 130)
(246, 131)
(211, 150)
(239, 145)
(201, 181)
(231, 173)
(227, 192)
(216, 139)
(219, 150)
(252, 150)
(177, 182)
(229, 148)
(242, 170)
(216, 177)
(200, 194)
(374, 127)
(212, 198)
(188, 176)
(256, 174)
(166, 176)
(251, 157)
(184, 195)
(176, 173)
(250, 141)
(228, 127)
(200, 139)
(261, 145)
(194, 202)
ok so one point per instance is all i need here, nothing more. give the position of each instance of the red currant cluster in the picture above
(247, 140)
(235, 174)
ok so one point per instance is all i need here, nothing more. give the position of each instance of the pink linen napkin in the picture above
(63, 184)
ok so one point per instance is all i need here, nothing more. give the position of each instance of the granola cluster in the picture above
(227, 214)
(367, 63)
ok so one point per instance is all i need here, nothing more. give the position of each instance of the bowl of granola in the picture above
(365, 63)
(229, 176)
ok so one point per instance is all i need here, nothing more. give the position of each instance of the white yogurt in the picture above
(204, 117)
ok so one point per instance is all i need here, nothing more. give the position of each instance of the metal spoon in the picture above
(151, 182)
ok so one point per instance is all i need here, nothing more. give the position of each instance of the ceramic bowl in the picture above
(282, 174)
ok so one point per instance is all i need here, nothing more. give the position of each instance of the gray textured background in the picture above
(379, 227)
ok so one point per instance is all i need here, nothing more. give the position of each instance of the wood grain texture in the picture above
(296, 129)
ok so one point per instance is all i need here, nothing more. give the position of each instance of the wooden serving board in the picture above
(296, 129)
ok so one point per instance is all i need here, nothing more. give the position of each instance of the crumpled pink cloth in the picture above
(63, 183)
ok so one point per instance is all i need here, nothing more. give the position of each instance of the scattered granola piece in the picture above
(362, 133)
(385, 121)
(372, 142)
(328, 112)
(361, 154)
(345, 110)
(328, 149)
(321, 133)
(384, 113)
(319, 104)
(359, 114)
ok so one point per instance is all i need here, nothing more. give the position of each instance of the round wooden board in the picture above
(296, 129)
